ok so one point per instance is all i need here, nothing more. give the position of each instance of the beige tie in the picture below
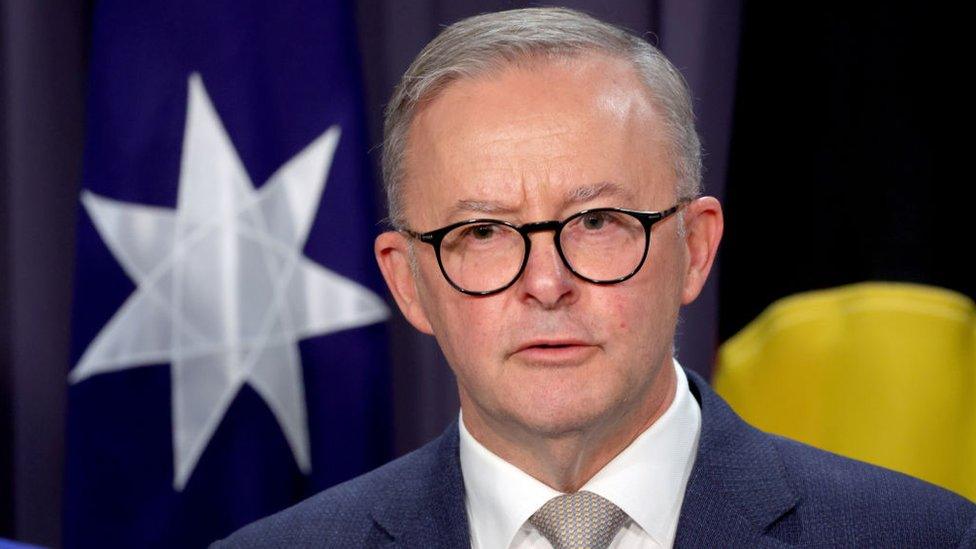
(582, 520)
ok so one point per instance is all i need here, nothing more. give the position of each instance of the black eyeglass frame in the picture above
(647, 220)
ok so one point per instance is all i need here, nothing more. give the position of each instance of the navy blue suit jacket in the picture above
(747, 489)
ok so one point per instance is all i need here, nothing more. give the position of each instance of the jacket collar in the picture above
(426, 505)
(738, 485)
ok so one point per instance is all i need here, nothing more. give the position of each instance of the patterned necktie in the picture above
(582, 520)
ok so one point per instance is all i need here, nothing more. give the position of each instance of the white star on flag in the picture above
(223, 290)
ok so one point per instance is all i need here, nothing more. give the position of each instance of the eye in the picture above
(595, 221)
(481, 232)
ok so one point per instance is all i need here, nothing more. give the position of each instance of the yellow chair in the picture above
(881, 372)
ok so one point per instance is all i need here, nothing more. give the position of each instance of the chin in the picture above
(560, 417)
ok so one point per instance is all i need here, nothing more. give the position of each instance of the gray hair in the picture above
(476, 45)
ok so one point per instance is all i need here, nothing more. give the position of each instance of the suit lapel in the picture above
(738, 485)
(429, 509)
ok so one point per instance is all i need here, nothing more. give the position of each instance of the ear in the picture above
(703, 231)
(392, 253)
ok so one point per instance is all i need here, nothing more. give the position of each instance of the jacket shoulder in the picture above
(766, 486)
(341, 515)
(870, 505)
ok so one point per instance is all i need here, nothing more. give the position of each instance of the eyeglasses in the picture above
(600, 245)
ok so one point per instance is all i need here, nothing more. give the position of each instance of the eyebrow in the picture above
(596, 190)
(577, 195)
(482, 206)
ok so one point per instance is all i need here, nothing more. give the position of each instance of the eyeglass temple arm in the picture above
(664, 214)
(427, 238)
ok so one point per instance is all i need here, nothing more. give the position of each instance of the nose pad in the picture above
(546, 277)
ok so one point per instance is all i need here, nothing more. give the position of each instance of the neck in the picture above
(565, 462)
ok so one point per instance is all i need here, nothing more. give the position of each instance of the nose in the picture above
(546, 279)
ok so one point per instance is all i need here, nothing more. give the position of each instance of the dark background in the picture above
(795, 114)
(848, 155)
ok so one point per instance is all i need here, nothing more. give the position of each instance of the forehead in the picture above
(534, 138)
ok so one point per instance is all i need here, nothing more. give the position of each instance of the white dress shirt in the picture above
(646, 480)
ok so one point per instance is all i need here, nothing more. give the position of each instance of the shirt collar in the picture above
(500, 497)
(659, 460)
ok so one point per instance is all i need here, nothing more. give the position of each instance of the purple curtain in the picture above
(41, 100)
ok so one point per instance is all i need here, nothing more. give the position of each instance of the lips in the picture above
(555, 351)
(551, 344)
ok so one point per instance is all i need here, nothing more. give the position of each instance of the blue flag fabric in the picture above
(229, 353)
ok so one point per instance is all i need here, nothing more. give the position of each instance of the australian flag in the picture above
(228, 335)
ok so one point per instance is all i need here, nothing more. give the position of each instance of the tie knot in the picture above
(582, 520)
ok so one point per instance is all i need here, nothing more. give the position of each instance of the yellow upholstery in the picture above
(881, 372)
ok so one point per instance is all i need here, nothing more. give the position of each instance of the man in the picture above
(543, 175)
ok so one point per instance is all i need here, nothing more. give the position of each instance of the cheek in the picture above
(465, 327)
(624, 311)
(472, 328)
(644, 312)
(633, 313)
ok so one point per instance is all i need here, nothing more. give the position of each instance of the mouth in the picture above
(554, 351)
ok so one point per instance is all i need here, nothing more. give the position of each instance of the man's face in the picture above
(552, 354)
